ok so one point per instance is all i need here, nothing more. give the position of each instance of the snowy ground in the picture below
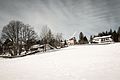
(85, 62)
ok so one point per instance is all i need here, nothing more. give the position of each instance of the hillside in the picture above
(84, 62)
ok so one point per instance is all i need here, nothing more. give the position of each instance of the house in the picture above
(102, 40)
(71, 41)
(44, 47)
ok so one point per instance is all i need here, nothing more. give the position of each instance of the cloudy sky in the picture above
(66, 16)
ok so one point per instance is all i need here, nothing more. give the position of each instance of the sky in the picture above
(63, 16)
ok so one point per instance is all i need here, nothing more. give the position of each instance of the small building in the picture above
(71, 41)
(102, 40)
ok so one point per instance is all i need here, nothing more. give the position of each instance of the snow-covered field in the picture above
(85, 62)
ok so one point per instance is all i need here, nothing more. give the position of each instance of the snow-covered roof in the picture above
(35, 46)
(102, 37)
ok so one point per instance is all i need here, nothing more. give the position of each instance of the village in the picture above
(19, 44)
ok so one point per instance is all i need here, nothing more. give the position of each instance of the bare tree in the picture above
(27, 35)
(46, 36)
(58, 38)
(17, 32)
(11, 31)
(49, 38)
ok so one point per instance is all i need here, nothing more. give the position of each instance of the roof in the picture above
(73, 38)
(102, 37)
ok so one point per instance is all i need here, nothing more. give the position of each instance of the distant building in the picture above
(38, 47)
(102, 40)
(71, 41)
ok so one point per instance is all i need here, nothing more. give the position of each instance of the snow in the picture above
(84, 62)
(35, 46)
(103, 37)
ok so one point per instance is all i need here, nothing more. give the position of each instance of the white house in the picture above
(102, 40)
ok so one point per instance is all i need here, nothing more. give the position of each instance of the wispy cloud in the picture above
(66, 16)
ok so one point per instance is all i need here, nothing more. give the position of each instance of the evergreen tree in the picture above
(118, 32)
(85, 40)
(100, 34)
(115, 36)
(106, 33)
(81, 38)
(65, 43)
(103, 34)
(110, 32)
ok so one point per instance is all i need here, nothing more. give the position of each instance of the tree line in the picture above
(17, 37)
(115, 34)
